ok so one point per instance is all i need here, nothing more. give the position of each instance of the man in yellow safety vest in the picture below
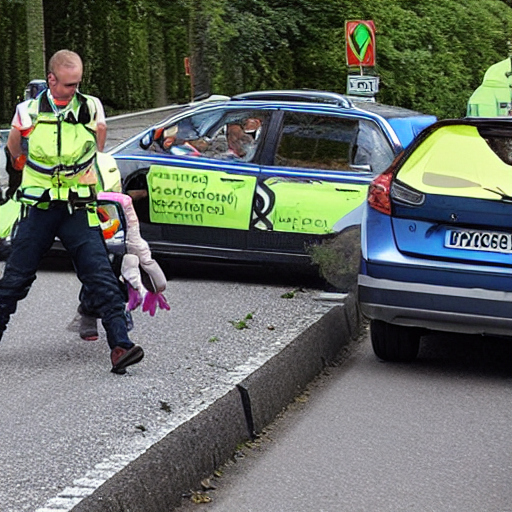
(53, 142)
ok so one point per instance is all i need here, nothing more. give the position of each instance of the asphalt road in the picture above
(65, 416)
(432, 436)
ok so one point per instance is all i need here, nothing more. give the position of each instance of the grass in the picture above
(338, 259)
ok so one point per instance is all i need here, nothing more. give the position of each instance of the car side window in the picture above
(235, 135)
(182, 137)
(372, 148)
(329, 142)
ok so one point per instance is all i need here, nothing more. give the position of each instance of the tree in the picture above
(35, 38)
(431, 54)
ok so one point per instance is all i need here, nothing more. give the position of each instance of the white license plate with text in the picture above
(492, 241)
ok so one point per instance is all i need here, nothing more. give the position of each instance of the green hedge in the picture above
(431, 54)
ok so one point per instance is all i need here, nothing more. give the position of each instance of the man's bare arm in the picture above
(101, 136)
(14, 143)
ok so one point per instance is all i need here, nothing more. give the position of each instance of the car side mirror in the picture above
(147, 139)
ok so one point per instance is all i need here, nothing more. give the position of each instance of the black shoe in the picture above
(123, 357)
(88, 328)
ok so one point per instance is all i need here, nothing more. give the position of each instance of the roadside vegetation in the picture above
(431, 54)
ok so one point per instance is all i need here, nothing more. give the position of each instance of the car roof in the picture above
(313, 97)
(326, 97)
(402, 125)
(405, 123)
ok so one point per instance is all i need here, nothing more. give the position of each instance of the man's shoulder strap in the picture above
(84, 113)
(86, 110)
(44, 103)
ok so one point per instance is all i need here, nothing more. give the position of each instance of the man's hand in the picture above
(14, 147)
(19, 163)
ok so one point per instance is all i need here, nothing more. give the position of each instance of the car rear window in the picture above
(458, 160)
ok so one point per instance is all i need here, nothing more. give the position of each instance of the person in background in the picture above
(240, 143)
(53, 142)
(252, 126)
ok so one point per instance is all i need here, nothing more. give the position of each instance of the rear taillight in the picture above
(379, 192)
(406, 195)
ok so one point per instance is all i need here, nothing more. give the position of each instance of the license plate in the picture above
(490, 241)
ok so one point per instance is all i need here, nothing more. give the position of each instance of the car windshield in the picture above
(457, 160)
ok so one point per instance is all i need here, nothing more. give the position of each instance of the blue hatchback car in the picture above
(437, 238)
(260, 176)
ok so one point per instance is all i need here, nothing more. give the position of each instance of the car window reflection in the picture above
(232, 136)
(327, 142)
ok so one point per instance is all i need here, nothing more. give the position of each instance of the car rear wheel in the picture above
(394, 342)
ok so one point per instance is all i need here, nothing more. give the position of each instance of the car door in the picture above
(202, 178)
(320, 169)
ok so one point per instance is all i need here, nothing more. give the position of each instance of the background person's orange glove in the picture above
(19, 163)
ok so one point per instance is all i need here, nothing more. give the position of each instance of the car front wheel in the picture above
(394, 342)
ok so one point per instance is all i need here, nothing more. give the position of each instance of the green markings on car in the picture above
(312, 207)
(201, 198)
(218, 199)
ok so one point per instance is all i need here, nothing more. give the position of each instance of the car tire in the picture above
(394, 342)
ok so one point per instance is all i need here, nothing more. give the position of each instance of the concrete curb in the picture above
(157, 479)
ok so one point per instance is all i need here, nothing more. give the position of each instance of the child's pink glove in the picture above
(134, 298)
(152, 301)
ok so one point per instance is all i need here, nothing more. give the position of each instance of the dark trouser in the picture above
(87, 299)
(34, 237)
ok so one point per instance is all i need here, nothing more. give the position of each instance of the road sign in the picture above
(360, 42)
(360, 85)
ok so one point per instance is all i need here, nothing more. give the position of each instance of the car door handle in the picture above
(361, 167)
(351, 190)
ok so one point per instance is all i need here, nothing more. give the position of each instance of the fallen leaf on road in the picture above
(200, 497)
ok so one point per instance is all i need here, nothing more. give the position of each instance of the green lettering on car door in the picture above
(198, 197)
(310, 207)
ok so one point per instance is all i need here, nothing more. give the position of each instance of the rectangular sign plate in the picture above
(489, 241)
(362, 85)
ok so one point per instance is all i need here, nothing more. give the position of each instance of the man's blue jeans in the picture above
(34, 237)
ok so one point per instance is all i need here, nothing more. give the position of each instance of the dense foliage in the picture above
(431, 54)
